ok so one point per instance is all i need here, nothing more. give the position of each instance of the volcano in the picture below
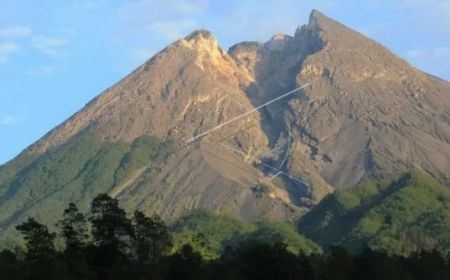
(365, 114)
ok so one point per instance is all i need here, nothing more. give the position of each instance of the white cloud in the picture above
(50, 46)
(172, 30)
(15, 32)
(6, 50)
(9, 120)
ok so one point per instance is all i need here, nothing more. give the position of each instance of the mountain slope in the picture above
(366, 115)
(405, 216)
(369, 114)
(399, 115)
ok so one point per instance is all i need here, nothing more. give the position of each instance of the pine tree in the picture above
(39, 241)
(110, 225)
(111, 233)
(73, 229)
(40, 255)
(152, 238)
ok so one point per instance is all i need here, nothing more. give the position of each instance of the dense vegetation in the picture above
(404, 216)
(209, 233)
(108, 244)
(75, 171)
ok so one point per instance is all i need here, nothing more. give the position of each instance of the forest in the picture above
(107, 243)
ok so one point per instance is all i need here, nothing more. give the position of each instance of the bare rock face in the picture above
(368, 114)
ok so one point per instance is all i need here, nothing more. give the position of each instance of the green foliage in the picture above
(347, 201)
(98, 173)
(264, 256)
(47, 174)
(111, 234)
(39, 241)
(109, 223)
(272, 232)
(407, 215)
(142, 152)
(75, 171)
(10, 170)
(73, 228)
(152, 238)
(209, 233)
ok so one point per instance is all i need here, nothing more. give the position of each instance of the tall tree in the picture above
(40, 255)
(39, 241)
(73, 228)
(152, 237)
(112, 232)
(110, 225)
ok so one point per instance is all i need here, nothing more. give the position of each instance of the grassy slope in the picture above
(73, 172)
(409, 214)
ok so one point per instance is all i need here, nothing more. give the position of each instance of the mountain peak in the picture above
(207, 50)
(320, 23)
(336, 33)
(278, 41)
(316, 15)
(200, 34)
(200, 38)
(318, 19)
(201, 41)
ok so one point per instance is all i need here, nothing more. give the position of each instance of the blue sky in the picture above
(57, 55)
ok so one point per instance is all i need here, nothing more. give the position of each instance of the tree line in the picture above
(108, 244)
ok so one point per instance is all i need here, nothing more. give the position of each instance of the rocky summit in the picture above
(367, 115)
